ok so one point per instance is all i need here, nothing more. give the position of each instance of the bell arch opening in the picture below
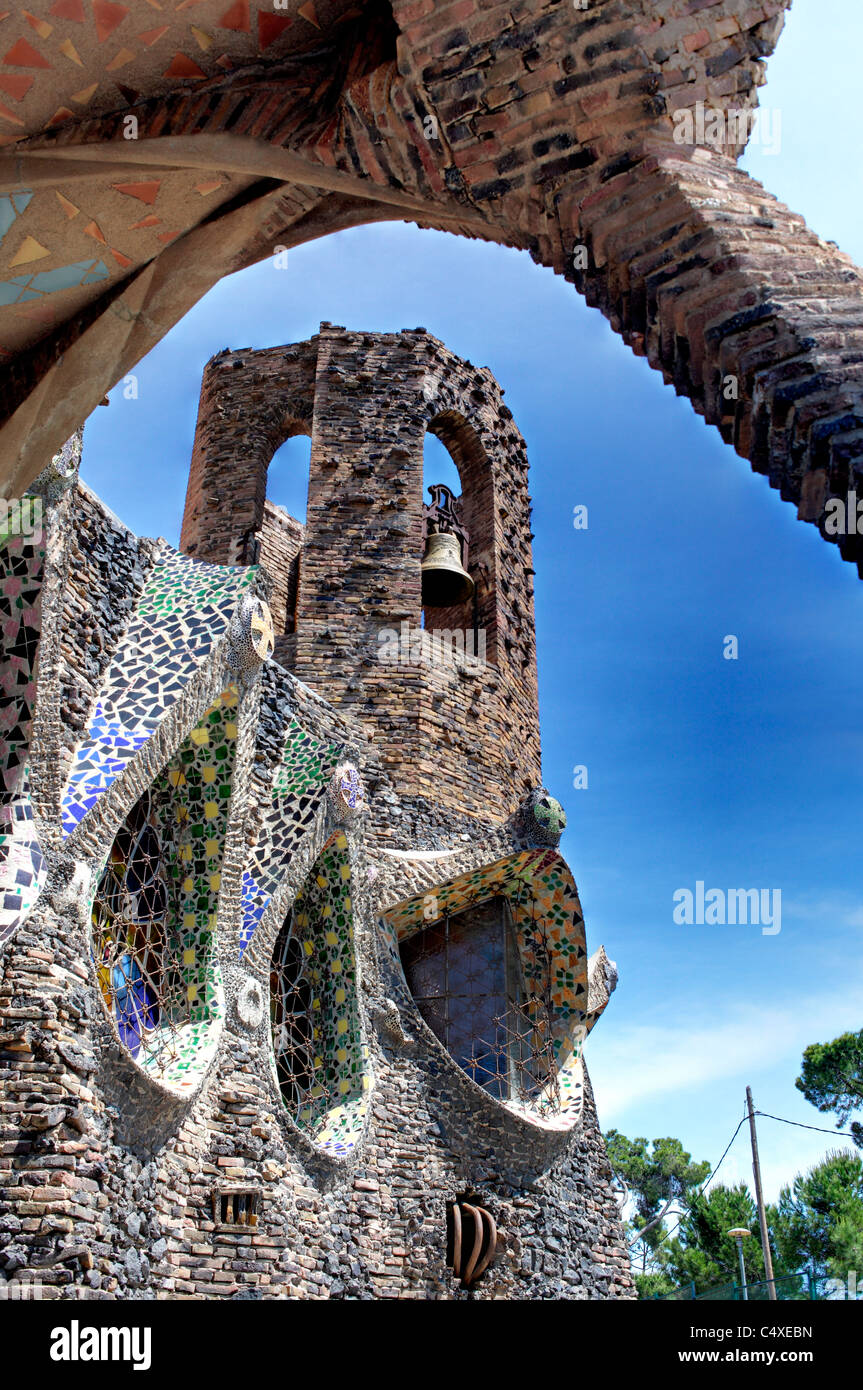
(319, 1059)
(279, 541)
(459, 599)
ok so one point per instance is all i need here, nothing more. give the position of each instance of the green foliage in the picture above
(819, 1220)
(653, 1285)
(703, 1253)
(656, 1174)
(832, 1078)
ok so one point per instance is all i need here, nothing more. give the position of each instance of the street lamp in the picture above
(739, 1233)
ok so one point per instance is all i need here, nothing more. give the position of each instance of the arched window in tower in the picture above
(459, 602)
(280, 539)
(130, 913)
(320, 1060)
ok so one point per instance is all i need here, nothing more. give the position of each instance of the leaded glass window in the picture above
(129, 929)
(466, 977)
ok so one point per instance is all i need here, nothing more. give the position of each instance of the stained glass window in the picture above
(465, 975)
(129, 929)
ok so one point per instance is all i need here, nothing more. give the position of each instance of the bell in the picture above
(445, 582)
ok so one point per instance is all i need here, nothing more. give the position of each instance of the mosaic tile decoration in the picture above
(174, 1033)
(183, 611)
(331, 1106)
(22, 867)
(299, 786)
(21, 864)
(549, 926)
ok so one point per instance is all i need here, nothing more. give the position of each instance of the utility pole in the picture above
(759, 1198)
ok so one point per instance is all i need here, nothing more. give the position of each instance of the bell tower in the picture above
(413, 615)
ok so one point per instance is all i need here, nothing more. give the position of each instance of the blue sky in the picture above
(745, 774)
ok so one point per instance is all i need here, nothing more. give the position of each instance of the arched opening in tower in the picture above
(458, 589)
(281, 535)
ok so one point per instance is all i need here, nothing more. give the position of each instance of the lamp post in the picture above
(739, 1233)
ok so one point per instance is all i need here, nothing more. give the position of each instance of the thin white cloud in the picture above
(649, 1060)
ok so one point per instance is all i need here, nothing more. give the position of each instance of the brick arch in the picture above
(533, 125)
(477, 513)
(242, 421)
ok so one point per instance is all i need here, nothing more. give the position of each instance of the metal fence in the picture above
(803, 1287)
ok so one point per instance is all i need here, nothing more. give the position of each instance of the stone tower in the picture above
(296, 993)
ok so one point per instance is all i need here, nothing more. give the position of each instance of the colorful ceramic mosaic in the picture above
(320, 1060)
(21, 864)
(298, 788)
(155, 910)
(545, 818)
(346, 794)
(22, 867)
(252, 635)
(184, 609)
(549, 933)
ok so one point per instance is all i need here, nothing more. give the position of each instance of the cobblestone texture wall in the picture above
(107, 1180)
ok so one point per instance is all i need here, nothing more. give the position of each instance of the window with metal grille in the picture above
(466, 977)
(239, 1207)
(129, 919)
(293, 1027)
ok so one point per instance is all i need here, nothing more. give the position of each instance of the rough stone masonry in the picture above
(294, 984)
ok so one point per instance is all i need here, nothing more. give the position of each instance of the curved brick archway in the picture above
(533, 124)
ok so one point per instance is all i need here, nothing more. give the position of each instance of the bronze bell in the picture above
(445, 581)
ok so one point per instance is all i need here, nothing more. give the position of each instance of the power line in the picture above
(706, 1180)
(796, 1123)
(817, 1128)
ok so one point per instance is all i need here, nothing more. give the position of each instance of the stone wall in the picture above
(368, 403)
(108, 1176)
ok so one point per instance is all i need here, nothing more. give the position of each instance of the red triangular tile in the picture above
(60, 115)
(69, 9)
(15, 84)
(107, 17)
(9, 115)
(122, 261)
(150, 221)
(236, 17)
(145, 192)
(309, 12)
(270, 27)
(94, 230)
(181, 66)
(23, 55)
(151, 36)
(43, 29)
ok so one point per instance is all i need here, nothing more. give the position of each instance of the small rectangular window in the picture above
(239, 1207)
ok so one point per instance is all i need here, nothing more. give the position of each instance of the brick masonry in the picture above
(532, 124)
(367, 400)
